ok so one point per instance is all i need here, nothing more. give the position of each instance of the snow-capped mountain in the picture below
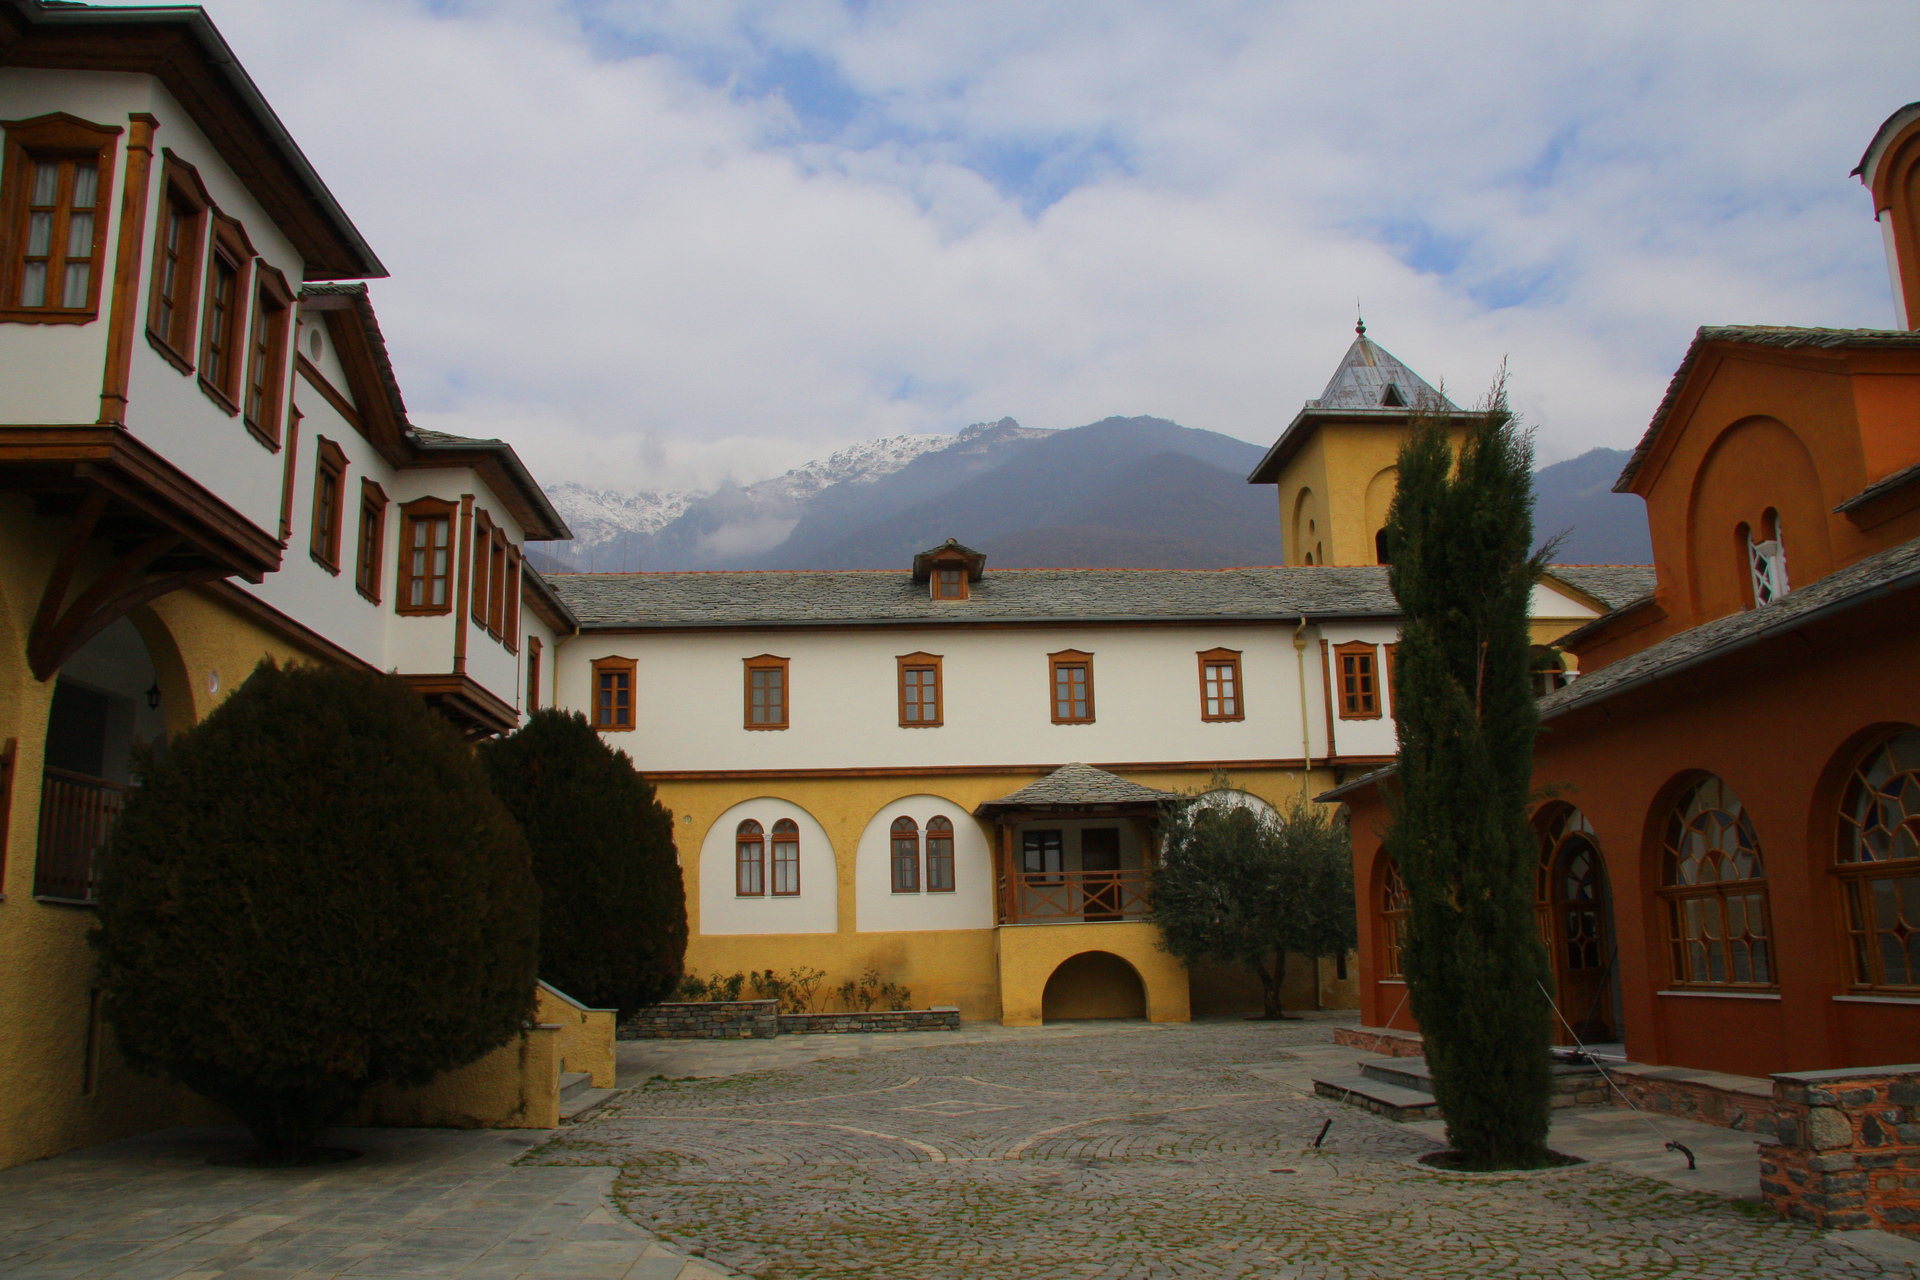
(601, 515)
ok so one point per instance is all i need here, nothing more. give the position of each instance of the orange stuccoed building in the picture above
(1729, 874)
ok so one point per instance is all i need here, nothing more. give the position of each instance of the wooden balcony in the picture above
(1064, 897)
(76, 816)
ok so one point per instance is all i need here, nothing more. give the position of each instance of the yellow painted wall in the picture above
(586, 1035)
(517, 1086)
(1030, 953)
(1347, 466)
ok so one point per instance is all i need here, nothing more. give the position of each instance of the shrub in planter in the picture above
(313, 893)
(613, 910)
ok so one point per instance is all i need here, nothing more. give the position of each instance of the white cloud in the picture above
(665, 244)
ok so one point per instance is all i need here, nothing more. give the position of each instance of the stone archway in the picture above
(1093, 984)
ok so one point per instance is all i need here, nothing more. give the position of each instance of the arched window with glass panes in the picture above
(906, 855)
(786, 858)
(750, 859)
(1878, 863)
(1713, 884)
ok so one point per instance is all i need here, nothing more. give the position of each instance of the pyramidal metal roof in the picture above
(1370, 377)
(1075, 786)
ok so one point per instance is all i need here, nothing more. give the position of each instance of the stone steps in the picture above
(1395, 1102)
(578, 1097)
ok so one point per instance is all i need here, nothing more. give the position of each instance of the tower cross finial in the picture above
(1360, 321)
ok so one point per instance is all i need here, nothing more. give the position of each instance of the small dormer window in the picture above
(949, 570)
(950, 582)
(1767, 562)
(1391, 397)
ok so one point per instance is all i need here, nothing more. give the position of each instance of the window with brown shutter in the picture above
(1070, 677)
(613, 694)
(329, 501)
(497, 584)
(533, 673)
(1357, 677)
(919, 676)
(767, 692)
(58, 177)
(510, 629)
(1220, 693)
(482, 565)
(426, 557)
(373, 536)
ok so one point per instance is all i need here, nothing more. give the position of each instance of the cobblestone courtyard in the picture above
(1135, 1151)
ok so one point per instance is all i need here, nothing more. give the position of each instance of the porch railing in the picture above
(1057, 897)
(76, 816)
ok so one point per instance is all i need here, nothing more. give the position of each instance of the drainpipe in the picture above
(1306, 737)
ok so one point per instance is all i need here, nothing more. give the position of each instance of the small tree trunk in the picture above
(1270, 984)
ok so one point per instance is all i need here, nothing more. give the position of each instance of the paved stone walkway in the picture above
(1130, 1150)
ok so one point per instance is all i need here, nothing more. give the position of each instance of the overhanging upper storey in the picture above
(181, 48)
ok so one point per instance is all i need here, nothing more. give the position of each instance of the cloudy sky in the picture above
(663, 243)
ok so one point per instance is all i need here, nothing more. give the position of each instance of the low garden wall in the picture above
(1848, 1154)
(1388, 1044)
(762, 1019)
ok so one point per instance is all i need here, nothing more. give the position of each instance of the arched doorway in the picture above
(1575, 911)
(1093, 984)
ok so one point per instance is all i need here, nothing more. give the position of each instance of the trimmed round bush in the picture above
(613, 925)
(314, 892)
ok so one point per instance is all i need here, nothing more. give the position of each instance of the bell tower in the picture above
(1336, 464)
(1891, 172)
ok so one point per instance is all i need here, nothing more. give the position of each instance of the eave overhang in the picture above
(1313, 417)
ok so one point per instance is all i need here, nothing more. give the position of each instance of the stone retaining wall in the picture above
(705, 1020)
(1732, 1102)
(941, 1017)
(1388, 1044)
(762, 1020)
(1849, 1149)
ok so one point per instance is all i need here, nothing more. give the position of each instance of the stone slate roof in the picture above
(1613, 585)
(1885, 484)
(1754, 335)
(1365, 373)
(644, 601)
(1895, 569)
(1077, 784)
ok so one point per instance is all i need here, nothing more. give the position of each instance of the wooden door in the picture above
(1581, 947)
(1100, 867)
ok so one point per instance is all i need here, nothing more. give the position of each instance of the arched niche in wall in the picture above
(1756, 465)
(1302, 528)
(1380, 491)
(878, 908)
(725, 910)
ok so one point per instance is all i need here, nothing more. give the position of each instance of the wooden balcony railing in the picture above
(76, 816)
(1057, 897)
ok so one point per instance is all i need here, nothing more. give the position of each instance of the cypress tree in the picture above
(1460, 529)
(613, 925)
(312, 893)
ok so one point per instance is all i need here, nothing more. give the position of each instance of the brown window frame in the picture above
(482, 566)
(226, 243)
(370, 555)
(777, 862)
(920, 662)
(66, 141)
(942, 586)
(768, 662)
(412, 514)
(265, 387)
(510, 628)
(183, 193)
(1858, 876)
(901, 860)
(939, 829)
(329, 510)
(497, 588)
(754, 885)
(1676, 896)
(1229, 658)
(1068, 658)
(1356, 704)
(533, 673)
(617, 719)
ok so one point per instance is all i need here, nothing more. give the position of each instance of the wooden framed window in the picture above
(950, 582)
(373, 540)
(1878, 865)
(1070, 680)
(222, 332)
(786, 858)
(767, 692)
(1394, 905)
(510, 628)
(939, 855)
(613, 694)
(497, 585)
(289, 468)
(1355, 667)
(533, 673)
(57, 180)
(173, 298)
(749, 860)
(329, 497)
(267, 354)
(905, 838)
(482, 565)
(1220, 691)
(1393, 686)
(919, 675)
(426, 557)
(1714, 887)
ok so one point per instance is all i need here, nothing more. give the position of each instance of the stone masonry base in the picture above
(762, 1019)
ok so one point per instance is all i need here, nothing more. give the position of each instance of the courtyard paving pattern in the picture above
(1133, 1151)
